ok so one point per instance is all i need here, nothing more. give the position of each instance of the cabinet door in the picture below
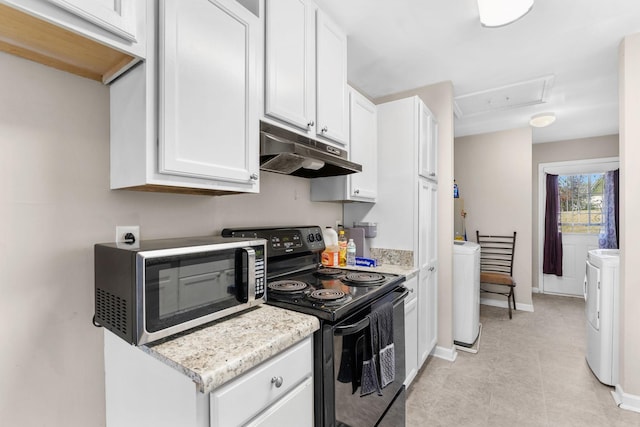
(331, 93)
(428, 143)
(363, 147)
(116, 16)
(411, 337)
(290, 62)
(253, 393)
(208, 118)
(428, 264)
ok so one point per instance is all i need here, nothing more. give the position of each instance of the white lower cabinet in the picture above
(411, 331)
(279, 389)
(142, 391)
(427, 314)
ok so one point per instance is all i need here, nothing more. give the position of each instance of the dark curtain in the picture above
(616, 191)
(608, 238)
(552, 262)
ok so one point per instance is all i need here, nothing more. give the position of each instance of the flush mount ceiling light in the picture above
(497, 13)
(542, 120)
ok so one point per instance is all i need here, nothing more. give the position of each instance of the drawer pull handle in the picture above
(277, 381)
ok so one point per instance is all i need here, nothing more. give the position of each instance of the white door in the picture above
(574, 255)
(580, 188)
(208, 90)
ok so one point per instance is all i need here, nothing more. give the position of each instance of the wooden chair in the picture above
(496, 265)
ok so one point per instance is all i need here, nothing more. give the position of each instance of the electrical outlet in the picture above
(128, 236)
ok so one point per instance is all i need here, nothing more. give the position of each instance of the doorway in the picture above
(580, 185)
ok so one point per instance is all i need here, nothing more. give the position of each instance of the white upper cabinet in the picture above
(290, 62)
(363, 136)
(363, 115)
(332, 90)
(305, 66)
(95, 39)
(428, 144)
(188, 120)
(208, 102)
(116, 16)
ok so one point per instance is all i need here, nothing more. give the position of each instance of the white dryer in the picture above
(466, 292)
(602, 302)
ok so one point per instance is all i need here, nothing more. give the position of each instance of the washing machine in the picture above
(466, 292)
(602, 307)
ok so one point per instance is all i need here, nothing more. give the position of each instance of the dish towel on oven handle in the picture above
(378, 371)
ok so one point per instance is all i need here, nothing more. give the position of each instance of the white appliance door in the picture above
(592, 296)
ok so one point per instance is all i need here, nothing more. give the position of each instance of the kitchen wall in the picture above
(439, 99)
(629, 88)
(493, 173)
(560, 151)
(55, 203)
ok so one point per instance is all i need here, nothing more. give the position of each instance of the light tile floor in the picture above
(530, 371)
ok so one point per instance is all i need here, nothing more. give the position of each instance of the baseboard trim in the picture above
(448, 354)
(503, 304)
(627, 401)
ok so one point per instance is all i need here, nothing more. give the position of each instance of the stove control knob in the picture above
(277, 381)
(311, 237)
(318, 237)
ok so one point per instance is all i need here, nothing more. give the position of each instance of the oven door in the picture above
(350, 342)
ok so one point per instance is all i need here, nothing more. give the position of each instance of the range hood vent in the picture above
(289, 153)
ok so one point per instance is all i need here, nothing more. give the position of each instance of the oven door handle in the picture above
(402, 296)
(353, 328)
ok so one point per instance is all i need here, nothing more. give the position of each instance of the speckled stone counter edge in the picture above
(213, 355)
(392, 256)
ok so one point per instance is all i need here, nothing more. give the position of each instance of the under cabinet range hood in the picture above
(289, 153)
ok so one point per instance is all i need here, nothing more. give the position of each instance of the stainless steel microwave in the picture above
(168, 286)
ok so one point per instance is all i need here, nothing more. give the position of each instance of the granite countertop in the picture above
(215, 354)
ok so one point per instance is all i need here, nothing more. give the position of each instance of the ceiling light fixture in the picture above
(497, 13)
(542, 120)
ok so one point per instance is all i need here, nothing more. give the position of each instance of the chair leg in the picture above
(509, 302)
(513, 296)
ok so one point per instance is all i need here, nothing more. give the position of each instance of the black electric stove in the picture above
(343, 301)
(296, 279)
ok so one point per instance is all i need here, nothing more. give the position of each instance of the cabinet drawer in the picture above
(243, 398)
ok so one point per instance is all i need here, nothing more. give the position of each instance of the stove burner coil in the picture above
(287, 286)
(327, 294)
(365, 278)
(329, 272)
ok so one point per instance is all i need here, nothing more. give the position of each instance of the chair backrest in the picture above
(496, 252)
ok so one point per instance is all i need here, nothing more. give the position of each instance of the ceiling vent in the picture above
(530, 92)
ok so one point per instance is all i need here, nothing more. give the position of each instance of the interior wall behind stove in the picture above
(55, 204)
(283, 200)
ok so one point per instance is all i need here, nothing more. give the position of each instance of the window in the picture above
(581, 203)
